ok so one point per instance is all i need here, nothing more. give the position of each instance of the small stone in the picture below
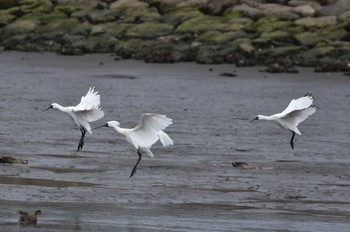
(228, 74)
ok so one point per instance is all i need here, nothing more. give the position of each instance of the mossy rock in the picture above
(70, 7)
(244, 22)
(176, 38)
(238, 41)
(27, 42)
(16, 11)
(6, 4)
(117, 30)
(330, 33)
(21, 27)
(140, 15)
(312, 56)
(43, 6)
(6, 17)
(216, 7)
(243, 46)
(81, 44)
(316, 22)
(207, 36)
(10, 42)
(246, 48)
(295, 30)
(280, 36)
(46, 18)
(233, 14)
(344, 44)
(209, 55)
(128, 3)
(96, 16)
(263, 43)
(178, 15)
(84, 28)
(269, 23)
(308, 38)
(331, 64)
(131, 48)
(132, 11)
(158, 50)
(334, 32)
(149, 30)
(163, 52)
(30, 47)
(206, 23)
(152, 50)
(62, 26)
(217, 37)
(280, 51)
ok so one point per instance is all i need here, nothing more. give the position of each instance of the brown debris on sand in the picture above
(26, 218)
(12, 160)
(244, 165)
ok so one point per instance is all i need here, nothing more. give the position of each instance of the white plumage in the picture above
(145, 134)
(88, 110)
(296, 112)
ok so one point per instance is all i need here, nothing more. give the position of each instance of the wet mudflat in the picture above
(191, 186)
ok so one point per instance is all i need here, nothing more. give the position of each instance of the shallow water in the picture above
(190, 186)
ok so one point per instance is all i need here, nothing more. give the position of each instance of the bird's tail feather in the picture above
(296, 130)
(165, 139)
(147, 151)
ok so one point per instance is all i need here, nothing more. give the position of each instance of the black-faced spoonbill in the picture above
(296, 112)
(145, 134)
(86, 111)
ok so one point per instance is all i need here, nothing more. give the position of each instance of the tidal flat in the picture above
(191, 186)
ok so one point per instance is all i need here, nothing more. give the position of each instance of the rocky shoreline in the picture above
(241, 32)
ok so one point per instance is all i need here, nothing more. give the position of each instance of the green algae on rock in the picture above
(239, 32)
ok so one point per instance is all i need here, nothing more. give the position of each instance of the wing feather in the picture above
(298, 104)
(88, 102)
(88, 109)
(149, 130)
(298, 116)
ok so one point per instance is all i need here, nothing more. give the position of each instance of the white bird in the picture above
(296, 112)
(145, 134)
(86, 111)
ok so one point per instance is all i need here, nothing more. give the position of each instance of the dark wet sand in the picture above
(191, 186)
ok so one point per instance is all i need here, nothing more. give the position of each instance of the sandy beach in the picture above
(191, 186)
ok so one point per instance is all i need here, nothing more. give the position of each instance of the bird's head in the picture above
(109, 124)
(52, 106)
(112, 123)
(37, 212)
(256, 118)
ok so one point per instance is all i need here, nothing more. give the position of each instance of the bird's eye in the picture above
(51, 107)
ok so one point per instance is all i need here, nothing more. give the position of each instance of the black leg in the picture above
(81, 142)
(292, 140)
(137, 163)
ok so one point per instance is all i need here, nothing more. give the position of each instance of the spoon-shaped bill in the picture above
(105, 125)
(256, 118)
(46, 109)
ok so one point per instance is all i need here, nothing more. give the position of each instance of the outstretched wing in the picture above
(297, 116)
(298, 104)
(149, 129)
(88, 102)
